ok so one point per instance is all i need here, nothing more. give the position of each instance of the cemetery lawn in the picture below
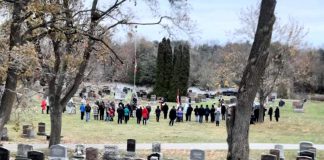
(291, 128)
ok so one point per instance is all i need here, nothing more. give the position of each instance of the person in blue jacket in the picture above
(82, 110)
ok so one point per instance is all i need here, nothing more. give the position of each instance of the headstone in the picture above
(268, 157)
(144, 97)
(282, 151)
(4, 134)
(131, 145)
(4, 154)
(154, 156)
(30, 133)
(304, 145)
(275, 152)
(196, 154)
(79, 151)
(41, 129)
(298, 106)
(153, 98)
(22, 151)
(92, 153)
(303, 158)
(307, 153)
(58, 152)
(111, 152)
(35, 155)
(312, 149)
(25, 127)
(156, 147)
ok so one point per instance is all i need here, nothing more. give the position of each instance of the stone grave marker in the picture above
(312, 149)
(275, 152)
(35, 155)
(307, 153)
(30, 133)
(22, 151)
(154, 156)
(92, 153)
(268, 157)
(156, 147)
(79, 152)
(304, 145)
(303, 158)
(298, 106)
(153, 98)
(110, 152)
(131, 148)
(196, 154)
(58, 152)
(4, 134)
(41, 129)
(282, 151)
(4, 154)
(25, 127)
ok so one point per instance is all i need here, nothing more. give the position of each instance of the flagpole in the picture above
(135, 64)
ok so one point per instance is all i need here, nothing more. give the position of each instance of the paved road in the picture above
(203, 146)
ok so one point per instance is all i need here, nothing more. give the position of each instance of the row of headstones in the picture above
(28, 131)
(307, 151)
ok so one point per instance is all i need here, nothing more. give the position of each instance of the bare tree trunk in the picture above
(262, 98)
(238, 130)
(56, 124)
(9, 95)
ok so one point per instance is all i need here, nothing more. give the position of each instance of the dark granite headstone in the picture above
(275, 152)
(131, 145)
(4, 134)
(41, 129)
(35, 155)
(4, 154)
(303, 158)
(307, 153)
(268, 157)
(156, 147)
(196, 154)
(23, 149)
(92, 154)
(25, 127)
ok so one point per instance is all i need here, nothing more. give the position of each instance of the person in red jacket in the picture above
(43, 105)
(144, 115)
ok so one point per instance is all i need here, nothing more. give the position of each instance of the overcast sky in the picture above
(216, 19)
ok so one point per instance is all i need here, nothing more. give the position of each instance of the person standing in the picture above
(256, 114)
(111, 113)
(43, 105)
(139, 115)
(88, 110)
(95, 111)
(145, 115)
(172, 116)
(179, 115)
(101, 106)
(149, 112)
(207, 112)
(223, 111)
(157, 113)
(196, 110)
(270, 112)
(82, 110)
(277, 113)
(217, 115)
(48, 105)
(201, 112)
(212, 114)
(120, 114)
(126, 114)
(188, 113)
(165, 109)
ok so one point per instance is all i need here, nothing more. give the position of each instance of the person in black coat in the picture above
(139, 115)
(277, 114)
(207, 112)
(172, 115)
(270, 112)
(201, 113)
(223, 111)
(212, 114)
(196, 110)
(157, 113)
(120, 113)
(256, 114)
(165, 109)
(188, 114)
(101, 109)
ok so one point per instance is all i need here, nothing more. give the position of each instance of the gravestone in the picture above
(58, 152)
(4, 134)
(92, 154)
(275, 152)
(41, 129)
(298, 106)
(110, 152)
(30, 133)
(312, 149)
(131, 145)
(156, 147)
(303, 158)
(22, 151)
(304, 145)
(196, 154)
(144, 97)
(79, 152)
(307, 153)
(154, 156)
(4, 154)
(282, 151)
(153, 98)
(268, 157)
(25, 127)
(35, 155)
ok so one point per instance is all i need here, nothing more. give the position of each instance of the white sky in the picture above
(216, 19)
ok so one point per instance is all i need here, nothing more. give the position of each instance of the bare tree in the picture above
(238, 123)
